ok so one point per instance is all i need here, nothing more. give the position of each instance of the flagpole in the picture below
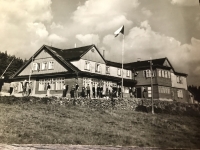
(7, 67)
(30, 70)
(122, 65)
(151, 86)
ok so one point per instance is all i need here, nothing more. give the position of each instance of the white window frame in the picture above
(180, 93)
(119, 72)
(149, 91)
(98, 68)
(36, 67)
(51, 65)
(159, 73)
(128, 73)
(44, 65)
(107, 70)
(87, 65)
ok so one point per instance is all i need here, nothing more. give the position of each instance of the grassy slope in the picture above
(40, 123)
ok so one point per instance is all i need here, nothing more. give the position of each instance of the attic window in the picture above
(92, 49)
(87, 65)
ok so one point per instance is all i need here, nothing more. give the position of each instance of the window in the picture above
(107, 70)
(180, 93)
(149, 91)
(165, 90)
(179, 79)
(98, 68)
(128, 73)
(119, 72)
(36, 67)
(169, 75)
(87, 65)
(147, 73)
(44, 66)
(166, 75)
(163, 73)
(41, 85)
(159, 73)
(59, 83)
(51, 65)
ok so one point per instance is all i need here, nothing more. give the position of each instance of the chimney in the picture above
(103, 53)
(138, 59)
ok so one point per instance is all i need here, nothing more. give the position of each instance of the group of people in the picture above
(97, 92)
(27, 88)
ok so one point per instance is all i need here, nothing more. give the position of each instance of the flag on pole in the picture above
(120, 30)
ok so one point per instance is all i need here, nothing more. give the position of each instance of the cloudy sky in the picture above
(153, 28)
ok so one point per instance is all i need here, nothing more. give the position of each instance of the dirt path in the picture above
(66, 147)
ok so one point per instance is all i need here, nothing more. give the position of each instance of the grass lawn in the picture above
(42, 124)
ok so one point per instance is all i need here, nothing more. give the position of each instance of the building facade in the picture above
(86, 66)
(167, 83)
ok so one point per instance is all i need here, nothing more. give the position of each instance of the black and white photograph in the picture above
(99, 74)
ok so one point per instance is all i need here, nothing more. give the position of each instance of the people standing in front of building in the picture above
(24, 85)
(107, 92)
(101, 91)
(88, 91)
(83, 92)
(66, 88)
(130, 92)
(64, 91)
(98, 91)
(48, 89)
(72, 91)
(76, 91)
(11, 88)
(119, 91)
(93, 90)
(30, 88)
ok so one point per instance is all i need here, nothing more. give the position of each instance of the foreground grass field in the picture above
(43, 123)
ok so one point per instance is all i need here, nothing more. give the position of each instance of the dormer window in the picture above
(36, 67)
(179, 79)
(51, 65)
(119, 72)
(44, 66)
(98, 68)
(107, 70)
(128, 73)
(87, 65)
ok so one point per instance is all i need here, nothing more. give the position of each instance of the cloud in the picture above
(56, 39)
(88, 39)
(146, 12)
(104, 15)
(38, 29)
(23, 25)
(185, 2)
(142, 42)
(56, 26)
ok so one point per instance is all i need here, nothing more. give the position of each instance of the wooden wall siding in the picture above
(185, 98)
(164, 81)
(166, 63)
(178, 85)
(43, 57)
(113, 70)
(141, 80)
(155, 91)
(93, 55)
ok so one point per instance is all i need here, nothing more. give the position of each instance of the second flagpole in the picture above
(122, 66)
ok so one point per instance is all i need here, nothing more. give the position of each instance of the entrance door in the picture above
(138, 92)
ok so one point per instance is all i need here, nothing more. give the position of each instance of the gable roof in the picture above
(156, 63)
(74, 53)
(54, 54)
(145, 64)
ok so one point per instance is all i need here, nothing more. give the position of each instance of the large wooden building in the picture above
(82, 66)
(85, 65)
